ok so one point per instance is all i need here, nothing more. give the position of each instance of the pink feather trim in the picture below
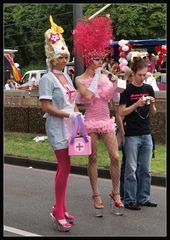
(92, 38)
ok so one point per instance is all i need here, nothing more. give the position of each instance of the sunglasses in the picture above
(98, 59)
(61, 57)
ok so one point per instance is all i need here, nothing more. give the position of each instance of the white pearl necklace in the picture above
(57, 71)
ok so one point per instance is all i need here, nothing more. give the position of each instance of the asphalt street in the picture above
(29, 197)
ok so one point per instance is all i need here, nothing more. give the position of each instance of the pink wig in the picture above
(92, 38)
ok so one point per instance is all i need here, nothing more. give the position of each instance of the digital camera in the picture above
(147, 99)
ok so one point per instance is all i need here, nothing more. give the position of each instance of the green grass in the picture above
(23, 145)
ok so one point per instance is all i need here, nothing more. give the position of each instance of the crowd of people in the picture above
(95, 89)
(10, 84)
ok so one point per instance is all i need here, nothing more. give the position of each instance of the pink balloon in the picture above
(122, 55)
(120, 49)
(124, 68)
(121, 65)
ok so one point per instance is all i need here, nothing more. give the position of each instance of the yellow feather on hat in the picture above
(55, 27)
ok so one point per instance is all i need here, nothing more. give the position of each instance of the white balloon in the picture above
(125, 48)
(126, 41)
(121, 42)
(120, 60)
(124, 61)
(163, 46)
(16, 64)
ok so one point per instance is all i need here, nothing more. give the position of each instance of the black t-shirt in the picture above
(137, 122)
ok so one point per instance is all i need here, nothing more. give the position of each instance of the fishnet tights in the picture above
(110, 142)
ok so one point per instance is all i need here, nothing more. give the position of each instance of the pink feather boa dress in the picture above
(97, 113)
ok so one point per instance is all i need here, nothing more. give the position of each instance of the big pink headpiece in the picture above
(92, 38)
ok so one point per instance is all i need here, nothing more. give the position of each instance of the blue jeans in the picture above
(137, 178)
(122, 171)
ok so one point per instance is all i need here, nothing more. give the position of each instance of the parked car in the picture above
(27, 79)
(28, 75)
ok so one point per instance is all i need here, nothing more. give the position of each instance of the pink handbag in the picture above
(120, 85)
(79, 145)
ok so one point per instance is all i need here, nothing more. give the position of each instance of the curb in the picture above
(102, 173)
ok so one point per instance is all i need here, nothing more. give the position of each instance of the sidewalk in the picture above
(157, 180)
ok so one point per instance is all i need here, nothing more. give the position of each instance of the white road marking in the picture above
(20, 232)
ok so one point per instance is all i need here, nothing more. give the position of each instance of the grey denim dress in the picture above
(58, 129)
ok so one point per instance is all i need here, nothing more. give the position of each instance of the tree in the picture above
(134, 21)
(25, 25)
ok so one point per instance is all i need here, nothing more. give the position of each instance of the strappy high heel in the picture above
(62, 225)
(98, 207)
(116, 206)
(68, 217)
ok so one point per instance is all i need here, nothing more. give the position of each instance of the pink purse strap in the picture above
(82, 128)
(78, 124)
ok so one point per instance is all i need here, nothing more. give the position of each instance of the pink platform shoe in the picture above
(62, 225)
(68, 217)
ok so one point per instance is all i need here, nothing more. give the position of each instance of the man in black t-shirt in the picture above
(136, 103)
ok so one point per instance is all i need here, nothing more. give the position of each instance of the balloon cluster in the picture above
(161, 50)
(124, 54)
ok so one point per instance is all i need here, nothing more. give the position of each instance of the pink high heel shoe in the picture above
(68, 217)
(117, 204)
(62, 225)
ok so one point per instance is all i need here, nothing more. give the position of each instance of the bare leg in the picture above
(110, 142)
(92, 169)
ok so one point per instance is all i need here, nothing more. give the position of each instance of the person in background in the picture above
(115, 69)
(110, 76)
(10, 85)
(128, 77)
(57, 96)
(162, 67)
(34, 80)
(7, 85)
(151, 81)
(107, 61)
(71, 73)
(95, 92)
(150, 64)
(137, 102)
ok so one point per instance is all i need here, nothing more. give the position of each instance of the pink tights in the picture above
(63, 170)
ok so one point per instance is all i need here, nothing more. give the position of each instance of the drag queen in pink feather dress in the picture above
(95, 91)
